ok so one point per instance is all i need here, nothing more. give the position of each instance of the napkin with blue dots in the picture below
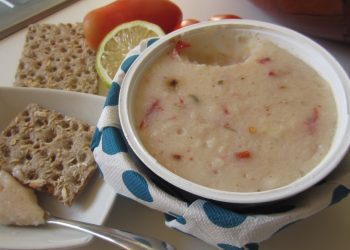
(218, 226)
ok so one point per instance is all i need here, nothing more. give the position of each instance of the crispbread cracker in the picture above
(48, 151)
(57, 56)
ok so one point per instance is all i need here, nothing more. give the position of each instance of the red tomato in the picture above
(180, 46)
(186, 22)
(223, 16)
(243, 155)
(99, 22)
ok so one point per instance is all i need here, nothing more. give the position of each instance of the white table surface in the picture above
(329, 229)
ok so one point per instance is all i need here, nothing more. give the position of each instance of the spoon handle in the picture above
(123, 239)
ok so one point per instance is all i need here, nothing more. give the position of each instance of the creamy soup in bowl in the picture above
(236, 111)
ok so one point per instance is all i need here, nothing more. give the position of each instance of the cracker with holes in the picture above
(57, 56)
(48, 152)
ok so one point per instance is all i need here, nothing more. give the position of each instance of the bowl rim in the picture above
(301, 184)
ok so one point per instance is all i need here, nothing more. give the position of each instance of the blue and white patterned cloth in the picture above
(223, 228)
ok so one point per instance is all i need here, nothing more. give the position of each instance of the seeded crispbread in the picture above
(57, 56)
(48, 151)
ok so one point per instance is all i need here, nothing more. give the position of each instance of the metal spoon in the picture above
(123, 239)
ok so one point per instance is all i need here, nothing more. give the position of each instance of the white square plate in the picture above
(92, 205)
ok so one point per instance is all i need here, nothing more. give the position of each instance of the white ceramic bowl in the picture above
(297, 44)
(94, 203)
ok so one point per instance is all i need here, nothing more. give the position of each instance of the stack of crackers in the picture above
(43, 149)
(48, 151)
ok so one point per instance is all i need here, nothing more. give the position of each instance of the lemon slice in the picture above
(118, 42)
